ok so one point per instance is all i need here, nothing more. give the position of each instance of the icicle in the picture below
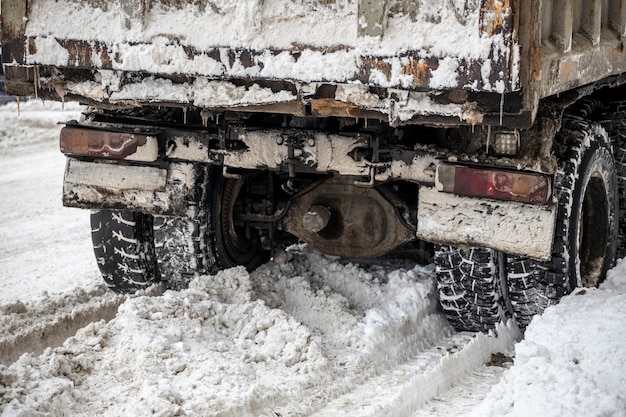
(501, 107)
(59, 87)
(488, 139)
(184, 115)
(205, 114)
(36, 82)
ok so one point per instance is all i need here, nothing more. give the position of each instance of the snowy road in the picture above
(304, 335)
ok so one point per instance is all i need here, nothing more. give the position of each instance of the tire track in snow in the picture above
(464, 397)
(404, 389)
(37, 325)
(366, 343)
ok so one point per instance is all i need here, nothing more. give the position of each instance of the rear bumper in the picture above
(156, 190)
(445, 218)
(512, 227)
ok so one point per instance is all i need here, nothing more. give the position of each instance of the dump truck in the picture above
(216, 132)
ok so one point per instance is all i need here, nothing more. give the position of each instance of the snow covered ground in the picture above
(304, 335)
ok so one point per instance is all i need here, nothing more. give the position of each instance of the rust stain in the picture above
(117, 58)
(326, 108)
(83, 54)
(420, 69)
(80, 53)
(381, 65)
(105, 58)
(295, 108)
(493, 16)
(13, 27)
(537, 63)
(32, 46)
(565, 67)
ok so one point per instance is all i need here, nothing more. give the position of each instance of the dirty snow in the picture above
(304, 334)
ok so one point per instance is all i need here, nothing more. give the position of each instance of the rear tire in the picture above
(613, 119)
(124, 248)
(207, 240)
(585, 239)
(471, 290)
(181, 242)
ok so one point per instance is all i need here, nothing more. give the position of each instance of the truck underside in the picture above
(501, 152)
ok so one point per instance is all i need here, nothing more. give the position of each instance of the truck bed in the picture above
(443, 62)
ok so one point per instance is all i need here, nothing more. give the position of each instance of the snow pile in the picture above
(572, 361)
(282, 340)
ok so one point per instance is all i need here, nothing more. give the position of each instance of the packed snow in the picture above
(304, 334)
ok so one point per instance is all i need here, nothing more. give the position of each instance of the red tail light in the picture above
(520, 186)
(103, 144)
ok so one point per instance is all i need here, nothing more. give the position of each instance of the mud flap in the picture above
(146, 189)
(511, 227)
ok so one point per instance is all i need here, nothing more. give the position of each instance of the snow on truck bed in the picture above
(282, 49)
(304, 40)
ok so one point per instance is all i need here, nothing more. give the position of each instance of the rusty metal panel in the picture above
(495, 16)
(19, 80)
(489, 24)
(329, 107)
(14, 17)
(562, 24)
(568, 61)
(591, 20)
(617, 16)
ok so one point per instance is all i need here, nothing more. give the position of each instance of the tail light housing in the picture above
(104, 144)
(525, 187)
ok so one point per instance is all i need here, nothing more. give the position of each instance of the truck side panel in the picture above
(226, 54)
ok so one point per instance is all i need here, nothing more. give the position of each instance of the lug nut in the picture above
(316, 219)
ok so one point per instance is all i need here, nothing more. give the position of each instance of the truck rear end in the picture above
(219, 131)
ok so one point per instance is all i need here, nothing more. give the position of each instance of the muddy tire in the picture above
(124, 248)
(180, 249)
(471, 290)
(613, 119)
(585, 239)
(206, 240)
(181, 242)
